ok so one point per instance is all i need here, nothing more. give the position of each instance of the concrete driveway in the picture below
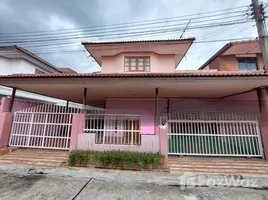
(40, 186)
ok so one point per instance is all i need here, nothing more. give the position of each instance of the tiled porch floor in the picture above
(219, 165)
(36, 157)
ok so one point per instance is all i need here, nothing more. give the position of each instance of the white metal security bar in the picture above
(214, 134)
(43, 126)
(113, 127)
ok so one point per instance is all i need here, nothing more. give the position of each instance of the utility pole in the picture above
(258, 14)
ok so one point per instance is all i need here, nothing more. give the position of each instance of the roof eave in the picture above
(138, 41)
(32, 55)
(218, 53)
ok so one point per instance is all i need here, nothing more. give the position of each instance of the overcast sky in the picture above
(31, 15)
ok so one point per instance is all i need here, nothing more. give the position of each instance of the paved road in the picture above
(38, 186)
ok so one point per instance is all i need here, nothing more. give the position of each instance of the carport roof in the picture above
(142, 75)
(101, 86)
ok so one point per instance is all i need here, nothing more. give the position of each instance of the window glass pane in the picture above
(137, 64)
(251, 60)
(242, 66)
(247, 64)
(251, 66)
(140, 63)
(252, 63)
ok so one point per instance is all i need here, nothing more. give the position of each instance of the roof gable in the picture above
(235, 48)
(177, 47)
(19, 52)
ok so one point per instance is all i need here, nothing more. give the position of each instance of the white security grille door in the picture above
(113, 127)
(45, 126)
(214, 134)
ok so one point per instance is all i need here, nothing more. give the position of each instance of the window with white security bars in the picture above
(114, 128)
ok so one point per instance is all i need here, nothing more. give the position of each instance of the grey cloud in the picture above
(33, 15)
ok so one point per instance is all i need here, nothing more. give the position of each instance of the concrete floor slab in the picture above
(47, 187)
(38, 187)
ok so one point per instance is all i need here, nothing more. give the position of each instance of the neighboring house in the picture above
(236, 56)
(147, 105)
(17, 60)
(66, 70)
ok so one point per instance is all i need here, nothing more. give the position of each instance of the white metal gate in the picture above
(43, 126)
(214, 134)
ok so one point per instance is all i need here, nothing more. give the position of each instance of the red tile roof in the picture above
(141, 75)
(138, 41)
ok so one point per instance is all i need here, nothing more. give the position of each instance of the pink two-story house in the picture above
(146, 103)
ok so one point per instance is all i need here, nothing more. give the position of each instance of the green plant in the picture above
(94, 158)
(129, 160)
(72, 156)
(116, 158)
(155, 160)
(105, 159)
(79, 157)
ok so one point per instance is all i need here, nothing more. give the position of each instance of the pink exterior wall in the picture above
(17, 104)
(77, 129)
(158, 63)
(149, 143)
(21, 104)
(143, 106)
(5, 128)
(154, 140)
(80, 140)
(241, 102)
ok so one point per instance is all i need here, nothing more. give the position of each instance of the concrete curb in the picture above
(182, 180)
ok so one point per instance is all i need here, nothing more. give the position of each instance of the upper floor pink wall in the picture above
(158, 63)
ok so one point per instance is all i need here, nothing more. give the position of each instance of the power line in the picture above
(141, 45)
(222, 30)
(42, 49)
(122, 28)
(126, 34)
(54, 47)
(131, 23)
(197, 42)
